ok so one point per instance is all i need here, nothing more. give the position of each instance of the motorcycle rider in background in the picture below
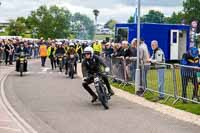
(20, 49)
(71, 52)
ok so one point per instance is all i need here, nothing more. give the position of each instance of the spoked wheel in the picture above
(21, 69)
(103, 97)
(71, 72)
(60, 66)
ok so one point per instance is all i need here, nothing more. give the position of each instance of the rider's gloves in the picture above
(84, 79)
(107, 69)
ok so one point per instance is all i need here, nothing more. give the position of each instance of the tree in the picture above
(17, 27)
(111, 24)
(131, 19)
(50, 23)
(83, 26)
(96, 14)
(153, 17)
(176, 18)
(191, 9)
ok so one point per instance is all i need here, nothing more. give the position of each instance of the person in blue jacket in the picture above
(191, 62)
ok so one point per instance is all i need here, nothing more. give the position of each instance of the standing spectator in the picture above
(118, 50)
(7, 51)
(144, 63)
(108, 50)
(79, 51)
(125, 49)
(132, 58)
(51, 55)
(157, 57)
(36, 49)
(189, 60)
(11, 55)
(43, 53)
(97, 48)
(1, 51)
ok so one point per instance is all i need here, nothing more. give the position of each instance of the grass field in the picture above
(152, 83)
(102, 37)
(3, 34)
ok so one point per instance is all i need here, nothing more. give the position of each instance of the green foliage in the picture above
(53, 22)
(153, 17)
(192, 11)
(17, 27)
(50, 23)
(111, 24)
(131, 19)
(176, 18)
(82, 26)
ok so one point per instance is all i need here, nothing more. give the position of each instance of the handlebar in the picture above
(19, 54)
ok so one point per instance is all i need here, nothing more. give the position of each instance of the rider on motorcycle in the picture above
(60, 51)
(71, 52)
(20, 49)
(91, 65)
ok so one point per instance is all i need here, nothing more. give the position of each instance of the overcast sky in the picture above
(115, 9)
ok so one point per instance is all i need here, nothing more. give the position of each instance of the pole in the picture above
(137, 74)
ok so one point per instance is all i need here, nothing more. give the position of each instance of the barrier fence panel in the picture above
(165, 80)
(130, 69)
(2, 56)
(118, 69)
(188, 81)
(159, 78)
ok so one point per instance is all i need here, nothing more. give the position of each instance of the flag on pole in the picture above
(135, 16)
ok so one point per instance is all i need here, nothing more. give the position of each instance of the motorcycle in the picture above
(60, 62)
(22, 58)
(101, 90)
(71, 63)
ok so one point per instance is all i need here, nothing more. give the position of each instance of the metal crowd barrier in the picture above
(187, 82)
(165, 80)
(122, 70)
(160, 80)
(2, 56)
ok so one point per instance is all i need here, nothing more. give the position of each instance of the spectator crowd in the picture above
(125, 53)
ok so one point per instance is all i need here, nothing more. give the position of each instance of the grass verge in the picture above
(189, 107)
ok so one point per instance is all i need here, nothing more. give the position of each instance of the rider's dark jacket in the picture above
(20, 49)
(60, 51)
(91, 66)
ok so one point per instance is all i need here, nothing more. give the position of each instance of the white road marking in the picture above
(23, 125)
(45, 69)
(11, 129)
(6, 121)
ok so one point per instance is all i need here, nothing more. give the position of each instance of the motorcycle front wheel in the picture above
(102, 97)
(21, 69)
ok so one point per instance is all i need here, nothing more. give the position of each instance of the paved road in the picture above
(7, 124)
(51, 103)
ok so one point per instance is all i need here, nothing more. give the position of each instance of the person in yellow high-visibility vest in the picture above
(97, 47)
(51, 52)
